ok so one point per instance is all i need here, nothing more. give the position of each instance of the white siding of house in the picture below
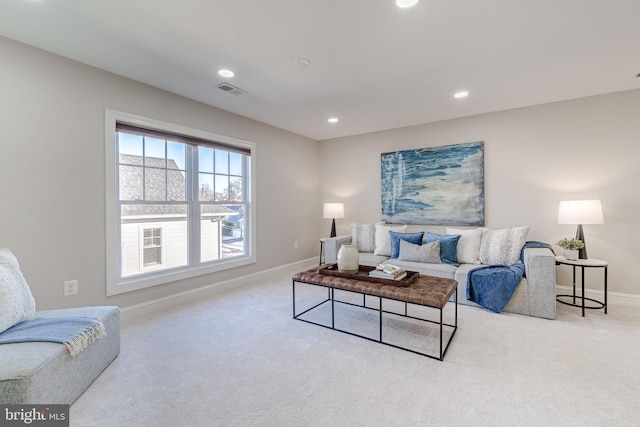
(210, 240)
(174, 246)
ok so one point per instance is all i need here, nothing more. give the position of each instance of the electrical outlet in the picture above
(70, 287)
(295, 244)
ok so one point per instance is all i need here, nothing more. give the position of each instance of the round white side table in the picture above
(582, 264)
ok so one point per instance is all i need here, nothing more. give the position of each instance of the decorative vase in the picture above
(571, 254)
(348, 259)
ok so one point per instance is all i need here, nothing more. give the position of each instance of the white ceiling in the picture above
(373, 65)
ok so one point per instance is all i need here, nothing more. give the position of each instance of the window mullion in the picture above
(166, 172)
(144, 169)
(194, 206)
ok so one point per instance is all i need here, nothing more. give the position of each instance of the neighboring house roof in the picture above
(161, 183)
(239, 214)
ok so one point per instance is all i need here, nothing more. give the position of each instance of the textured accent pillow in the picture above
(396, 238)
(468, 250)
(16, 302)
(429, 252)
(383, 240)
(363, 237)
(502, 247)
(448, 246)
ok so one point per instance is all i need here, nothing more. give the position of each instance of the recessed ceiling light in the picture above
(461, 94)
(406, 3)
(333, 120)
(226, 73)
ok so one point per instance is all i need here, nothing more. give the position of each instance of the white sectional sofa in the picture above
(535, 295)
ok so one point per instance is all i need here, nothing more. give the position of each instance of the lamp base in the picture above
(333, 228)
(582, 253)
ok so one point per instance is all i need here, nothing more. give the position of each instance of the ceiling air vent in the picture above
(230, 88)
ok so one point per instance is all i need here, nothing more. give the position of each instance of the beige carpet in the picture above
(239, 359)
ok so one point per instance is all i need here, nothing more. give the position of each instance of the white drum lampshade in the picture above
(333, 211)
(580, 212)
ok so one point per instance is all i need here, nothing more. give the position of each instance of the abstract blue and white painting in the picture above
(436, 185)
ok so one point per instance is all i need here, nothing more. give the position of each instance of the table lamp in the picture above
(580, 212)
(333, 211)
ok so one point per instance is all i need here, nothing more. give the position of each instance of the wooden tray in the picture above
(363, 274)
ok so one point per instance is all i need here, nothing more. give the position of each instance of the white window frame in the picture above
(117, 285)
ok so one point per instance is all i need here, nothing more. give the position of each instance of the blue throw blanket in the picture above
(76, 333)
(535, 244)
(492, 286)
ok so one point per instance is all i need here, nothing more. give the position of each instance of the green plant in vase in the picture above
(571, 247)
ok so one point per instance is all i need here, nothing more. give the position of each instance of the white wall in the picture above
(587, 148)
(52, 179)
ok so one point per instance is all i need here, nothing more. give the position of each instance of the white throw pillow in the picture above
(16, 302)
(363, 237)
(503, 246)
(468, 250)
(428, 252)
(383, 239)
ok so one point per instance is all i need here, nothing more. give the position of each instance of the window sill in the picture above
(168, 276)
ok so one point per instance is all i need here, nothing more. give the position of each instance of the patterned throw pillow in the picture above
(429, 252)
(396, 238)
(502, 247)
(448, 247)
(383, 239)
(363, 237)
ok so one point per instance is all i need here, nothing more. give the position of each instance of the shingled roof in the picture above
(163, 183)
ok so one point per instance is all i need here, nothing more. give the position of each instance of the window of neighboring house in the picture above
(179, 202)
(151, 246)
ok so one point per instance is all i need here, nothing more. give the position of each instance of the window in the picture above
(151, 247)
(178, 202)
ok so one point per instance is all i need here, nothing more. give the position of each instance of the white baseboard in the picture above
(136, 311)
(613, 298)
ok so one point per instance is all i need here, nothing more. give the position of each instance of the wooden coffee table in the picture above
(426, 291)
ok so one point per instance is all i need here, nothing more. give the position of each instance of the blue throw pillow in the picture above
(448, 246)
(415, 238)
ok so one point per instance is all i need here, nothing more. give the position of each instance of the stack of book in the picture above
(388, 272)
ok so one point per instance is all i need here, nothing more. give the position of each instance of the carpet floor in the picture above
(239, 359)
